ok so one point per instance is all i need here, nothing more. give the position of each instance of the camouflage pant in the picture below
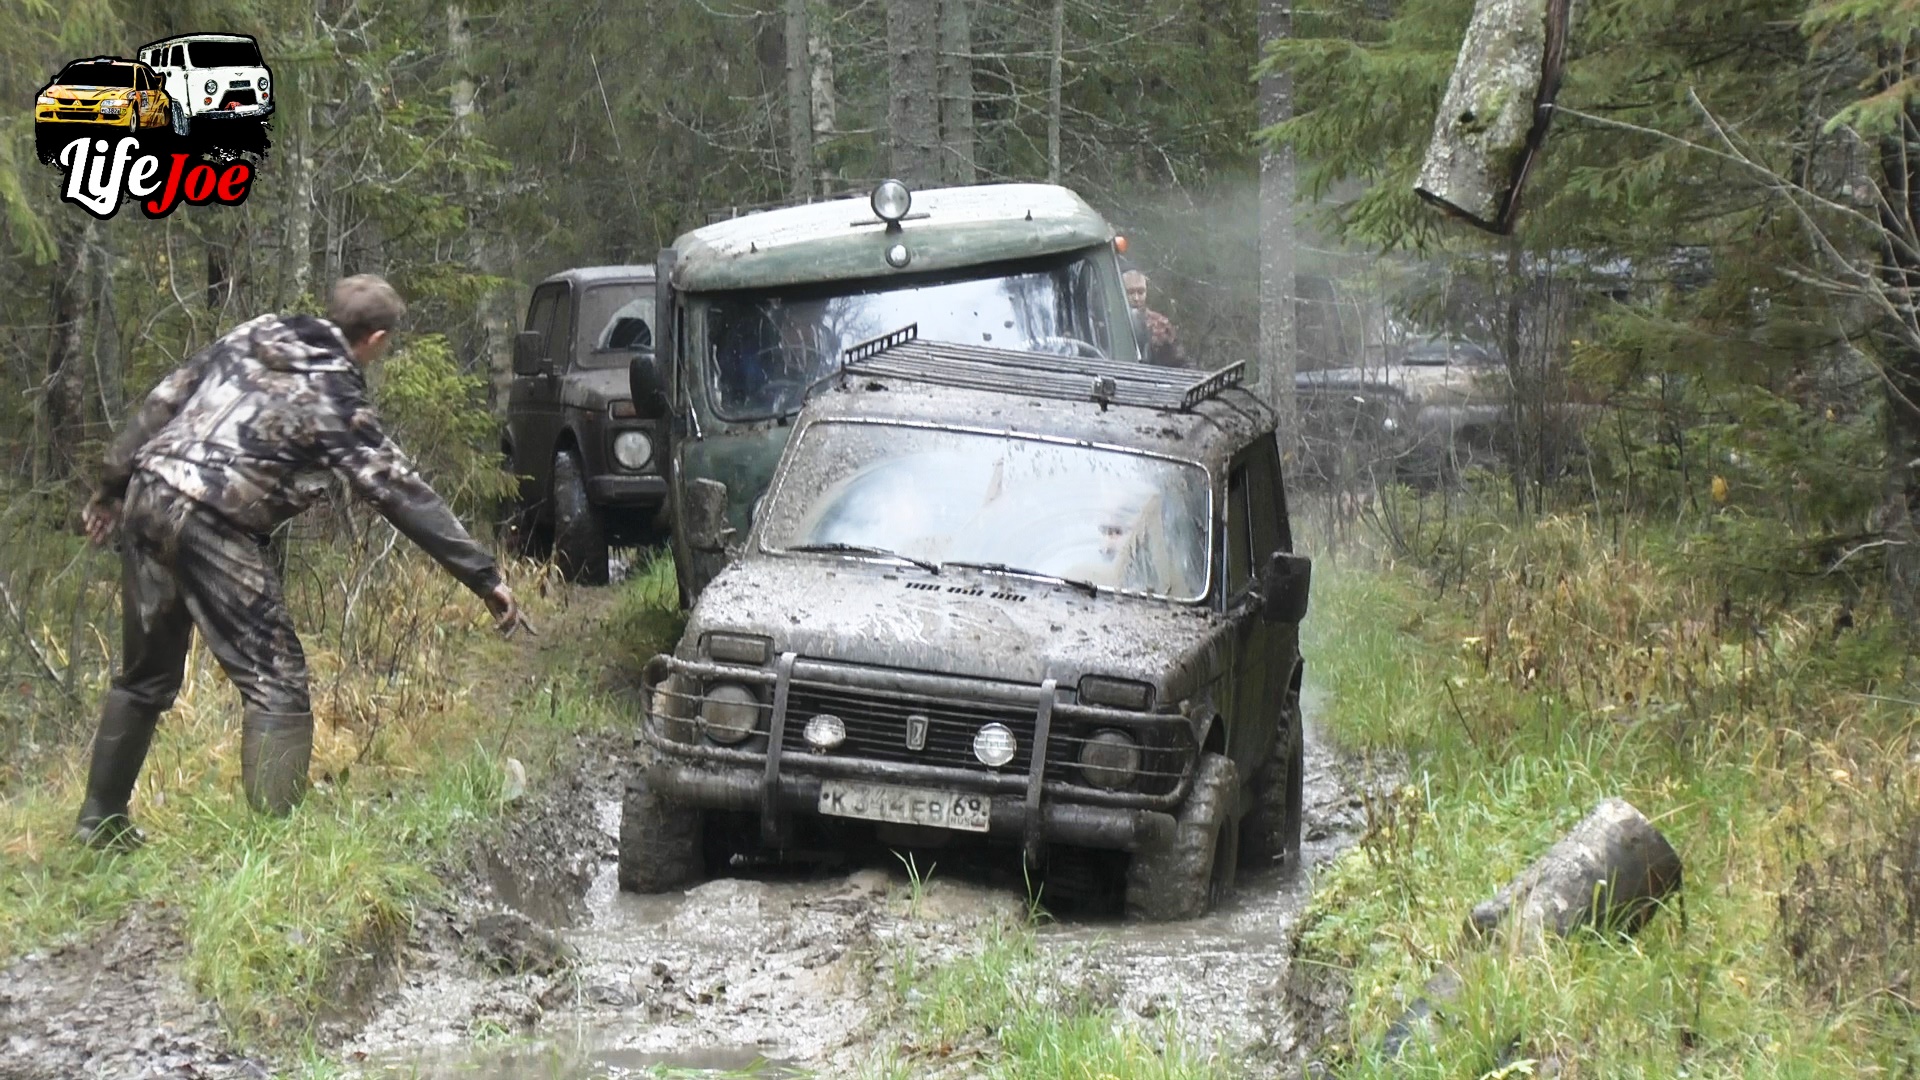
(184, 566)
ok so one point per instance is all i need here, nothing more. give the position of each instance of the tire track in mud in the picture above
(793, 969)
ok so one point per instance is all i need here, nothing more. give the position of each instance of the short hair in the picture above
(1132, 276)
(363, 305)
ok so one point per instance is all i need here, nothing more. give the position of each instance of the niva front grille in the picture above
(877, 725)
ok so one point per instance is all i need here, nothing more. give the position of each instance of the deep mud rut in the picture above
(539, 967)
(793, 971)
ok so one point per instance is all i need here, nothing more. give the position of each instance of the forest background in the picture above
(1706, 318)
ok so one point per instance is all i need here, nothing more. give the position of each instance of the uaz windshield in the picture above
(1113, 519)
(766, 348)
(208, 54)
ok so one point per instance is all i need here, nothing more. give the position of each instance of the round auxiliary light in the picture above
(994, 744)
(891, 200)
(261, 82)
(632, 449)
(826, 731)
(211, 86)
(1110, 759)
(898, 256)
(729, 713)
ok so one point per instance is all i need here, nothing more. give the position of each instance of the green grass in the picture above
(1006, 1012)
(1564, 671)
(410, 763)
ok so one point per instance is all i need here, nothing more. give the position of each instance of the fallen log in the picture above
(1494, 116)
(1609, 872)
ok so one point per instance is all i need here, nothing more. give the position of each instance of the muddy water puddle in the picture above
(762, 976)
(584, 1054)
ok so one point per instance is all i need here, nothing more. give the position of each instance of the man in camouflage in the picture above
(238, 440)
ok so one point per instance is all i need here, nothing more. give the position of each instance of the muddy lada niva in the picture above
(1043, 602)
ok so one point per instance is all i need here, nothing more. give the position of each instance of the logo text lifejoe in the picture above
(99, 176)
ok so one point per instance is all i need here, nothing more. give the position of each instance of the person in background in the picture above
(239, 439)
(1157, 334)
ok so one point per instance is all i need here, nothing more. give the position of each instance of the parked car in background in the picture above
(211, 77)
(588, 456)
(1038, 602)
(1444, 405)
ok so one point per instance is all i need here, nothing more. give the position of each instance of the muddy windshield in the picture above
(765, 348)
(1113, 519)
(95, 74)
(614, 321)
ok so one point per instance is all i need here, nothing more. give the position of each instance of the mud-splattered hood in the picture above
(960, 622)
(593, 388)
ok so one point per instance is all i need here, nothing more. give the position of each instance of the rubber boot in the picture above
(119, 749)
(274, 751)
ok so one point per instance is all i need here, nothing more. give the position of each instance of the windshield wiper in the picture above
(1002, 568)
(862, 549)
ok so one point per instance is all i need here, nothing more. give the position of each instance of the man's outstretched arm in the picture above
(380, 473)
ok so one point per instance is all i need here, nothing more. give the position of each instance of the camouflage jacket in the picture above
(253, 426)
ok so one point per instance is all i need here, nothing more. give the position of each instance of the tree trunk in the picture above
(63, 402)
(1492, 121)
(461, 94)
(825, 109)
(109, 364)
(799, 101)
(1277, 360)
(1899, 159)
(300, 209)
(913, 105)
(219, 280)
(1053, 90)
(956, 91)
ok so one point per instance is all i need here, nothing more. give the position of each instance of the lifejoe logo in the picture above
(184, 122)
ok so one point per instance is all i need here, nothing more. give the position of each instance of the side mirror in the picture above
(526, 352)
(706, 524)
(1284, 584)
(643, 380)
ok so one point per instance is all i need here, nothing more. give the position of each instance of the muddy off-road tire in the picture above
(182, 123)
(1271, 830)
(579, 534)
(1182, 880)
(660, 842)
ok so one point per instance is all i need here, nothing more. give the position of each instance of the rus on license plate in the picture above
(905, 805)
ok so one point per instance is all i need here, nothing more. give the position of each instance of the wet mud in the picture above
(788, 969)
(115, 1006)
(538, 966)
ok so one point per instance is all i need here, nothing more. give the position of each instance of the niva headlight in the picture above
(729, 712)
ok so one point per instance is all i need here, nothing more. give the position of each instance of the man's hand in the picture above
(100, 518)
(507, 616)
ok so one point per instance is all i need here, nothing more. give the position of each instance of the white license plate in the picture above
(905, 805)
